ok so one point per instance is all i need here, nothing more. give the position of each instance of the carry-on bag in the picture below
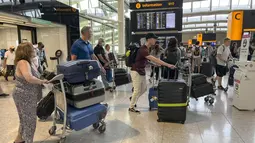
(86, 94)
(113, 58)
(79, 71)
(78, 119)
(198, 79)
(172, 100)
(202, 90)
(121, 77)
(153, 95)
(206, 69)
(46, 106)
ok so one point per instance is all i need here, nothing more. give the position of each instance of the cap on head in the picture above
(151, 35)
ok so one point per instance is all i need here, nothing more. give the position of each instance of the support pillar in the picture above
(121, 26)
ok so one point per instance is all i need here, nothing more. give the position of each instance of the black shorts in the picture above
(221, 70)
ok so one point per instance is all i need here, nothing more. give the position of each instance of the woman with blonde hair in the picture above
(28, 88)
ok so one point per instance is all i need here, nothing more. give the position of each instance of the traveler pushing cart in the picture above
(70, 114)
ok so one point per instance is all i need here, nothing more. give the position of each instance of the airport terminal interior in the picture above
(90, 56)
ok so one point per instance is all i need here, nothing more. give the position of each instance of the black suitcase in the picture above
(120, 71)
(172, 101)
(198, 79)
(202, 90)
(46, 106)
(206, 69)
(121, 77)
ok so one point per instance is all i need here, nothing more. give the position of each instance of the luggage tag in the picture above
(153, 98)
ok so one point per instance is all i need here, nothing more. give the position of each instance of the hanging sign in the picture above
(244, 49)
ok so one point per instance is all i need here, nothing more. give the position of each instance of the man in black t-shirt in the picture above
(100, 53)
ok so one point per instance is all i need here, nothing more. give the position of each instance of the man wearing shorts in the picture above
(223, 53)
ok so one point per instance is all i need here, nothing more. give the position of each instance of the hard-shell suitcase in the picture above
(79, 71)
(206, 69)
(198, 79)
(86, 94)
(78, 119)
(153, 98)
(113, 57)
(202, 90)
(46, 106)
(172, 101)
(121, 77)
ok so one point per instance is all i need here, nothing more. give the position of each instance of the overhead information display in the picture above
(156, 20)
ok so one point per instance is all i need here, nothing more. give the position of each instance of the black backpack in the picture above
(131, 55)
(197, 51)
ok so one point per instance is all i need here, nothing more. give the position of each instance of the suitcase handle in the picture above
(82, 63)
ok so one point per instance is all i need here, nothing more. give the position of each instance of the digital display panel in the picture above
(156, 20)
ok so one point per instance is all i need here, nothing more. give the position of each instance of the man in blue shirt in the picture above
(82, 50)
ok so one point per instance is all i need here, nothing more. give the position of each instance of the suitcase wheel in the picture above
(150, 108)
(182, 122)
(52, 130)
(226, 89)
(96, 125)
(211, 101)
(159, 120)
(102, 128)
(62, 140)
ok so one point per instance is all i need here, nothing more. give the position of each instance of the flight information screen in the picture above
(156, 20)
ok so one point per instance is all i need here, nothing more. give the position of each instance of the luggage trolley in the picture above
(61, 109)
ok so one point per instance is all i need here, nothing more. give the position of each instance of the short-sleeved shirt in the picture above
(141, 60)
(10, 57)
(225, 53)
(99, 50)
(82, 49)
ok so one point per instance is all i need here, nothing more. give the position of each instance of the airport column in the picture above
(121, 27)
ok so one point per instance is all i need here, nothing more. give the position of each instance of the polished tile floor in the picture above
(220, 123)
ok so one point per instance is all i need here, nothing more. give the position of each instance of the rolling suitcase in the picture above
(78, 119)
(153, 98)
(86, 94)
(79, 71)
(202, 90)
(121, 77)
(46, 106)
(206, 69)
(112, 57)
(172, 100)
(198, 79)
(153, 95)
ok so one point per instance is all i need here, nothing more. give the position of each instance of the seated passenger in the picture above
(172, 56)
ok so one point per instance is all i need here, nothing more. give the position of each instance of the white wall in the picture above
(53, 39)
(8, 37)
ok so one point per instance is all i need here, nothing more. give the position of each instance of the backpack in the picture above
(171, 56)
(131, 55)
(197, 51)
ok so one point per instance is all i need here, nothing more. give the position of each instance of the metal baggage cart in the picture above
(61, 106)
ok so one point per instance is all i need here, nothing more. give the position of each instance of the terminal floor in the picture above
(220, 123)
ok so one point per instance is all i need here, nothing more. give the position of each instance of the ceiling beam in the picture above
(201, 22)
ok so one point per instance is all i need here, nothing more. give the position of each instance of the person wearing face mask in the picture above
(9, 62)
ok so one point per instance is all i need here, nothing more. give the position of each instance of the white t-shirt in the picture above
(225, 53)
(10, 57)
